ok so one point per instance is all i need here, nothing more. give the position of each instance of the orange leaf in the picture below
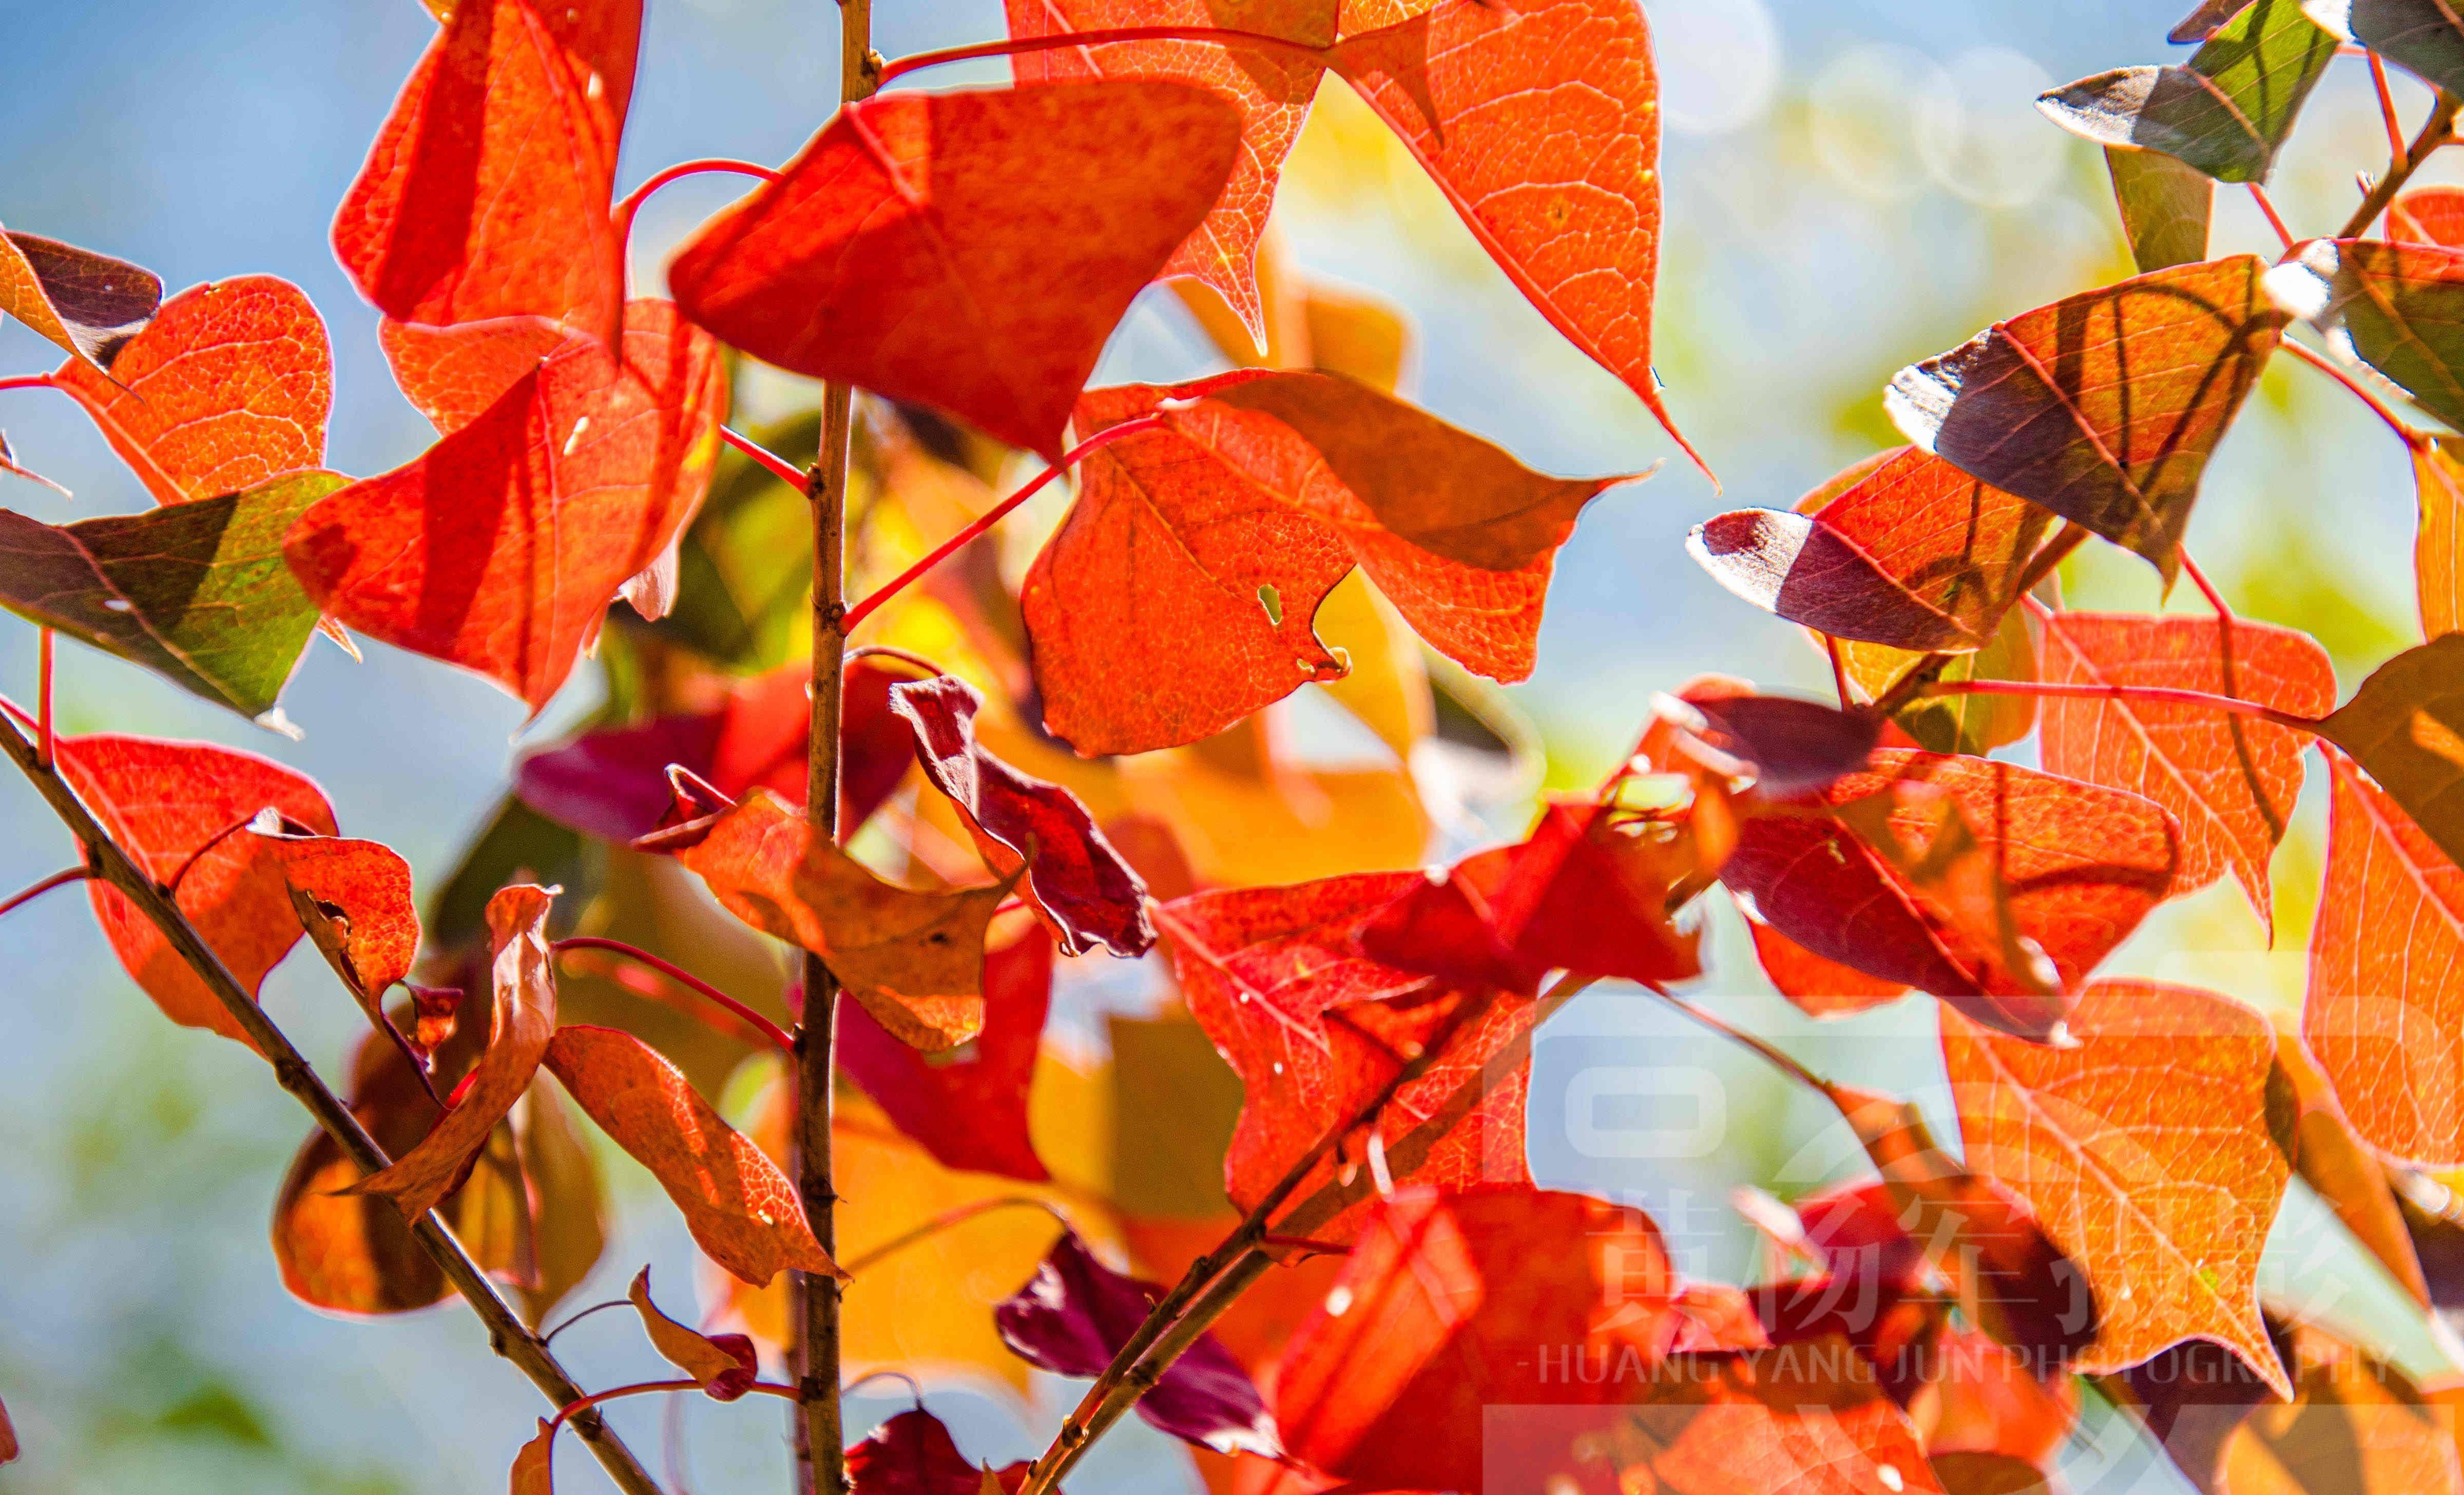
(967, 250)
(2438, 551)
(2406, 725)
(486, 193)
(2103, 407)
(521, 1015)
(500, 548)
(227, 388)
(2348, 1177)
(2385, 1014)
(89, 304)
(452, 374)
(179, 808)
(740, 1208)
(725, 1366)
(1819, 988)
(1212, 541)
(2356, 1425)
(1541, 124)
(2229, 781)
(353, 897)
(915, 960)
(534, 1467)
(2146, 1150)
(1272, 91)
(2428, 215)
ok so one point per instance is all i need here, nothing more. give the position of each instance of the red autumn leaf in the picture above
(969, 1111)
(1903, 549)
(1271, 89)
(1076, 1313)
(228, 386)
(740, 1208)
(500, 547)
(1452, 1304)
(521, 1016)
(2339, 1167)
(2042, 878)
(2428, 215)
(353, 897)
(1820, 988)
(968, 251)
(1541, 124)
(724, 1364)
(2406, 726)
(613, 782)
(914, 959)
(2384, 1015)
(1086, 893)
(1177, 596)
(2438, 549)
(1582, 894)
(2229, 781)
(535, 1462)
(89, 304)
(1784, 745)
(2146, 1150)
(7, 1438)
(486, 193)
(1890, 1327)
(452, 374)
(2103, 407)
(912, 1454)
(179, 809)
(1316, 1031)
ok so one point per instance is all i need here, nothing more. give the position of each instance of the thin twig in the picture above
(571, 1319)
(1761, 1047)
(507, 1334)
(2275, 219)
(2410, 438)
(903, 656)
(2207, 588)
(2153, 694)
(854, 1266)
(678, 974)
(1021, 45)
(60, 879)
(1838, 672)
(2386, 107)
(778, 467)
(2435, 131)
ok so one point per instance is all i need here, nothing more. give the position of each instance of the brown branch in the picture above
(2435, 131)
(507, 1334)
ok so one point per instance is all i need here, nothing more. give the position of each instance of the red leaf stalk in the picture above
(680, 975)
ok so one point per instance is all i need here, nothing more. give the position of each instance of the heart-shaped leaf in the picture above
(2226, 112)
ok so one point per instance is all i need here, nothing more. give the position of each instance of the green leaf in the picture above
(745, 568)
(2425, 37)
(196, 592)
(2165, 206)
(2226, 112)
(2397, 307)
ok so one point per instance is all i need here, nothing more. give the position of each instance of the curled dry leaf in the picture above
(198, 593)
(500, 548)
(2148, 1149)
(2406, 725)
(1087, 893)
(2229, 781)
(2383, 1012)
(1211, 542)
(225, 390)
(180, 810)
(89, 304)
(724, 1364)
(2227, 111)
(1075, 1313)
(740, 1208)
(352, 898)
(521, 1016)
(2103, 407)
(486, 193)
(1994, 887)
(915, 960)
(1903, 549)
(968, 251)
(1541, 125)
(968, 1110)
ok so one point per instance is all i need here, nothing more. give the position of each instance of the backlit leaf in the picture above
(1542, 127)
(1973, 724)
(1091, 897)
(2384, 1015)
(1274, 486)
(2164, 204)
(453, 373)
(2103, 407)
(500, 548)
(745, 566)
(912, 1454)
(2406, 725)
(2438, 551)
(2229, 781)
(2333, 1160)
(2146, 1150)
(1904, 550)
(724, 1363)
(353, 897)
(199, 593)
(740, 1208)
(968, 1110)
(2227, 111)
(2428, 215)
(89, 304)
(227, 388)
(1819, 988)
(914, 960)
(1999, 888)
(967, 250)
(2397, 306)
(178, 809)
(2423, 36)
(1075, 1313)
(486, 193)
(522, 1015)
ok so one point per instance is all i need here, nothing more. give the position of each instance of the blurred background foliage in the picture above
(1852, 185)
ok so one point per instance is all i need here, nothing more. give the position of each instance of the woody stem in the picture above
(2434, 132)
